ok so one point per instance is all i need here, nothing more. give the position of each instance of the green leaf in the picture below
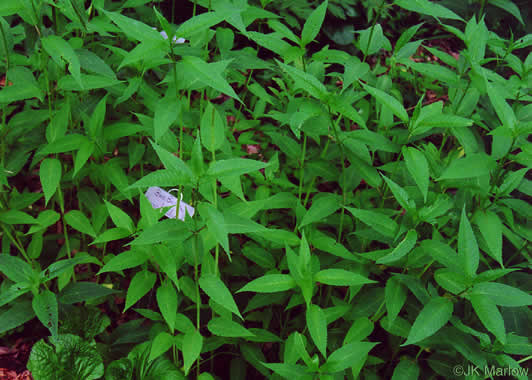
(234, 167)
(16, 269)
(406, 36)
(134, 29)
(501, 294)
(162, 178)
(140, 284)
(97, 119)
(341, 277)
(110, 235)
(305, 81)
(512, 181)
(418, 167)
(82, 291)
(395, 298)
(120, 218)
(378, 40)
(191, 346)
(212, 128)
(379, 222)
(317, 327)
(467, 246)
(321, 208)
(288, 371)
(88, 82)
(270, 283)
(60, 267)
(215, 224)
(510, 7)
(199, 23)
(427, 7)
(489, 315)
(406, 369)
(77, 220)
(167, 301)
(166, 113)
(451, 281)
(59, 49)
(402, 249)
(69, 354)
(271, 42)
(490, 227)
(347, 356)
(360, 329)
(227, 328)
(445, 75)
(313, 24)
(125, 260)
(8, 8)
(20, 313)
(218, 292)
(164, 231)
(44, 220)
(45, 306)
(24, 86)
(160, 344)
(389, 101)
(471, 166)
(400, 194)
(85, 151)
(503, 109)
(434, 315)
(50, 174)
(16, 217)
(13, 292)
(210, 74)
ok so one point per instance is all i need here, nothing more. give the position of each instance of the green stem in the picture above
(16, 242)
(302, 167)
(342, 154)
(373, 23)
(481, 11)
(4, 108)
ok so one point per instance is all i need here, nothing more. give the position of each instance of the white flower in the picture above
(175, 40)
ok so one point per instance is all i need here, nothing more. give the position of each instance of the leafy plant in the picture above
(354, 208)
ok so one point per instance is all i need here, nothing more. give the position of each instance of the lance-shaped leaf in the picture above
(427, 7)
(313, 24)
(134, 29)
(218, 292)
(467, 246)
(378, 221)
(433, 317)
(418, 167)
(317, 326)
(215, 224)
(210, 74)
(59, 49)
(389, 101)
(212, 128)
(270, 283)
(234, 167)
(50, 174)
(321, 208)
(305, 81)
(489, 315)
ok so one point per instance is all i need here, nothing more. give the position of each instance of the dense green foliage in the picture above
(357, 169)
